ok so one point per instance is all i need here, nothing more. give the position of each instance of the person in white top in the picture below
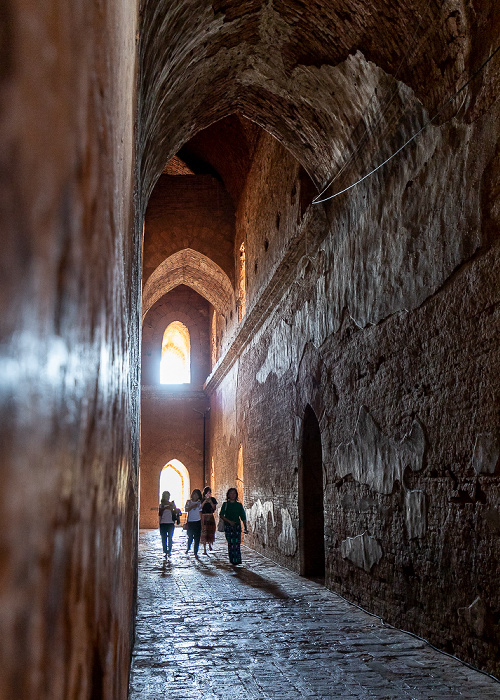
(167, 514)
(193, 508)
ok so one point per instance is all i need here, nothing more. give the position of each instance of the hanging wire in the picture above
(370, 129)
(412, 138)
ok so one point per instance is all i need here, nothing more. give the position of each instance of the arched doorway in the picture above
(311, 505)
(174, 477)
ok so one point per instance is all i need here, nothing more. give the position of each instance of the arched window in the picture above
(174, 477)
(212, 476)
(214, 338)
(175, 366)
(239, 475)
(242, 285)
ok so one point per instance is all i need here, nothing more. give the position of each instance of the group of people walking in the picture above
(201, 524)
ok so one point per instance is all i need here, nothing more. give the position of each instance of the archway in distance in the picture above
(311, 499)
(194, 269)
(174, 477)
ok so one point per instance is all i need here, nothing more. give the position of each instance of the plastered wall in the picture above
(388, 328)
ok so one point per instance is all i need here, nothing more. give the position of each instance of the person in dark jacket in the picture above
(193, 508)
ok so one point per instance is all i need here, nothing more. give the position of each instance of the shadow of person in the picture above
(204, 569)
(250, 578)
(165, 568)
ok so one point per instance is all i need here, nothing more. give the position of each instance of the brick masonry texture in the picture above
(171, 424)
(208, 630)
(387, 322)
(390, 375)
(190, 211)
(378, 309)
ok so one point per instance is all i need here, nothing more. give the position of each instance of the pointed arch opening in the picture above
(174, 477)
(311, 499)
(194, 269)
(242, 294)
(240, 484)
(175, 365)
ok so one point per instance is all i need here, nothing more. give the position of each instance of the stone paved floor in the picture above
(206, 630)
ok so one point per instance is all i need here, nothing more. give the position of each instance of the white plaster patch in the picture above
(374, 459)
(416, 514)
(486, 454)
(258, 519)
(287, 540)
(364, 551)
(278, 359)
(287, 344)
(475, 616)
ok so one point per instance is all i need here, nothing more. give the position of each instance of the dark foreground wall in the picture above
(69, 346)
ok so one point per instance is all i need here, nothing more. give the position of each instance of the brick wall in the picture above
(171, 424)
(70, 295)
(379, 310)
(386, 325)
(189, 211)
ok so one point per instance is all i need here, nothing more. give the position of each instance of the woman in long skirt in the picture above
(208, 507)
(231, 513)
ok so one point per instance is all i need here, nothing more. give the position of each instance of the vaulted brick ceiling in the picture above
(306, 72)
(225, 150)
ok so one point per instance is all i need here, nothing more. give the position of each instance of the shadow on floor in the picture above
(244, 576)
(250, 578)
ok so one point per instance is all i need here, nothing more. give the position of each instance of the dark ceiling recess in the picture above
(224, 150)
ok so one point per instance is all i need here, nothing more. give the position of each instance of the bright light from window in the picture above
(174, 477)
(175, 367)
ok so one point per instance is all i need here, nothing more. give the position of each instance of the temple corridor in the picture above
(252, 245)
(208, 630)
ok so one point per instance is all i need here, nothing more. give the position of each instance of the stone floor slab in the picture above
(208, 630)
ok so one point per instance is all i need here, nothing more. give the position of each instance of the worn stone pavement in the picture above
(206, 630)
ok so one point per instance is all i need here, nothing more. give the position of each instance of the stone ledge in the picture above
(313, 224)
(149, 391)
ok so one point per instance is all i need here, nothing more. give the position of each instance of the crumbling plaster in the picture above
(373, 459)
(392, 306)
(71, 146)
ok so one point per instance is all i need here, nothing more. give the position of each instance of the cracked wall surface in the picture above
(387, 325)
(363, 551)
(386, 297)
(375, 460)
